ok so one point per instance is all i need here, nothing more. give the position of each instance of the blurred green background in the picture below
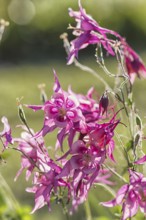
(35, 25)
(31, 48)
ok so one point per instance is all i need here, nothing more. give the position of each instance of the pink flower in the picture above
(141, 160)
(100, 136)
(34, 154)
(88, 32)
(89, 106)
(45, 186)
(83, 158)
(81, 170)
(6, 133)
(61, 111)
(131, 196)
(133, 62)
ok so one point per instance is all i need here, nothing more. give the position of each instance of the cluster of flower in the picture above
(85, 134)
(81, 120)
(88, 31)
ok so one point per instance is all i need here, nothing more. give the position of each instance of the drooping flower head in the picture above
(88, 32)
(131, 196)
(34, 154)
(45, 186)
(133, 62)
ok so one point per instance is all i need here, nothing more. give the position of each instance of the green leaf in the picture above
(118, 97)
(139, 121)
(136, 139)
(21, 114)
(129, 145)
(130, 101)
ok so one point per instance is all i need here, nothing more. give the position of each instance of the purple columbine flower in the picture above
(45, 186)
(83, 158)
(81, 170)
(6, 133)
(100, 136)
(141, 160)
(131, 196)
(88, 32)
(61, 111)
(133, 62)
(34, 154)
(89, 106)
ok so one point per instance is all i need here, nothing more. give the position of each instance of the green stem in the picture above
(107, 188)
(123, 148)
(8, 195)
(87, 210)
(65, 210)
(93, 73)
(64, 37)
(114, 172)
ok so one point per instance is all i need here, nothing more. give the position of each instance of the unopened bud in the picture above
(42, 91)
(103, 103)
(21, 111)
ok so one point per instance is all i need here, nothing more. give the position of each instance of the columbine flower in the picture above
(88, 32)
(34, 154)
(86, 159)
(81, 170)
(131, 196)
(141, 160)
(100, 136)
(89, 106)
(6, 133)
(103, 103)
(45, 186)
(133, 62)
(61, 111)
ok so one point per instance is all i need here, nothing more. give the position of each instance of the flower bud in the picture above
(103, 103)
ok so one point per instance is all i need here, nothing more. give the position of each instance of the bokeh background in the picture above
(31, 48)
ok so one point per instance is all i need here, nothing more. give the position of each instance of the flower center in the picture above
(87, 158)
(62, 112)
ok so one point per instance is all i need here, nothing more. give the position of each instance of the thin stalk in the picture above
(65, 210)
(115, 173)
(93, 73)
(81, 66)
(8, 195)
(87, 210)
(112, 192)
(122, 145)
(127, 113)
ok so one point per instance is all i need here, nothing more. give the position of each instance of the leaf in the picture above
(21, 114)
(139, 121)
(130, 101)
(129, 145)
(118, 97)
(136, 139)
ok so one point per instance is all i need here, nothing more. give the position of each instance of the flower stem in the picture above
(65, 210)
(107, 188)
(93, 72)
(8, 195)
(87, 210)
(114, 172)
